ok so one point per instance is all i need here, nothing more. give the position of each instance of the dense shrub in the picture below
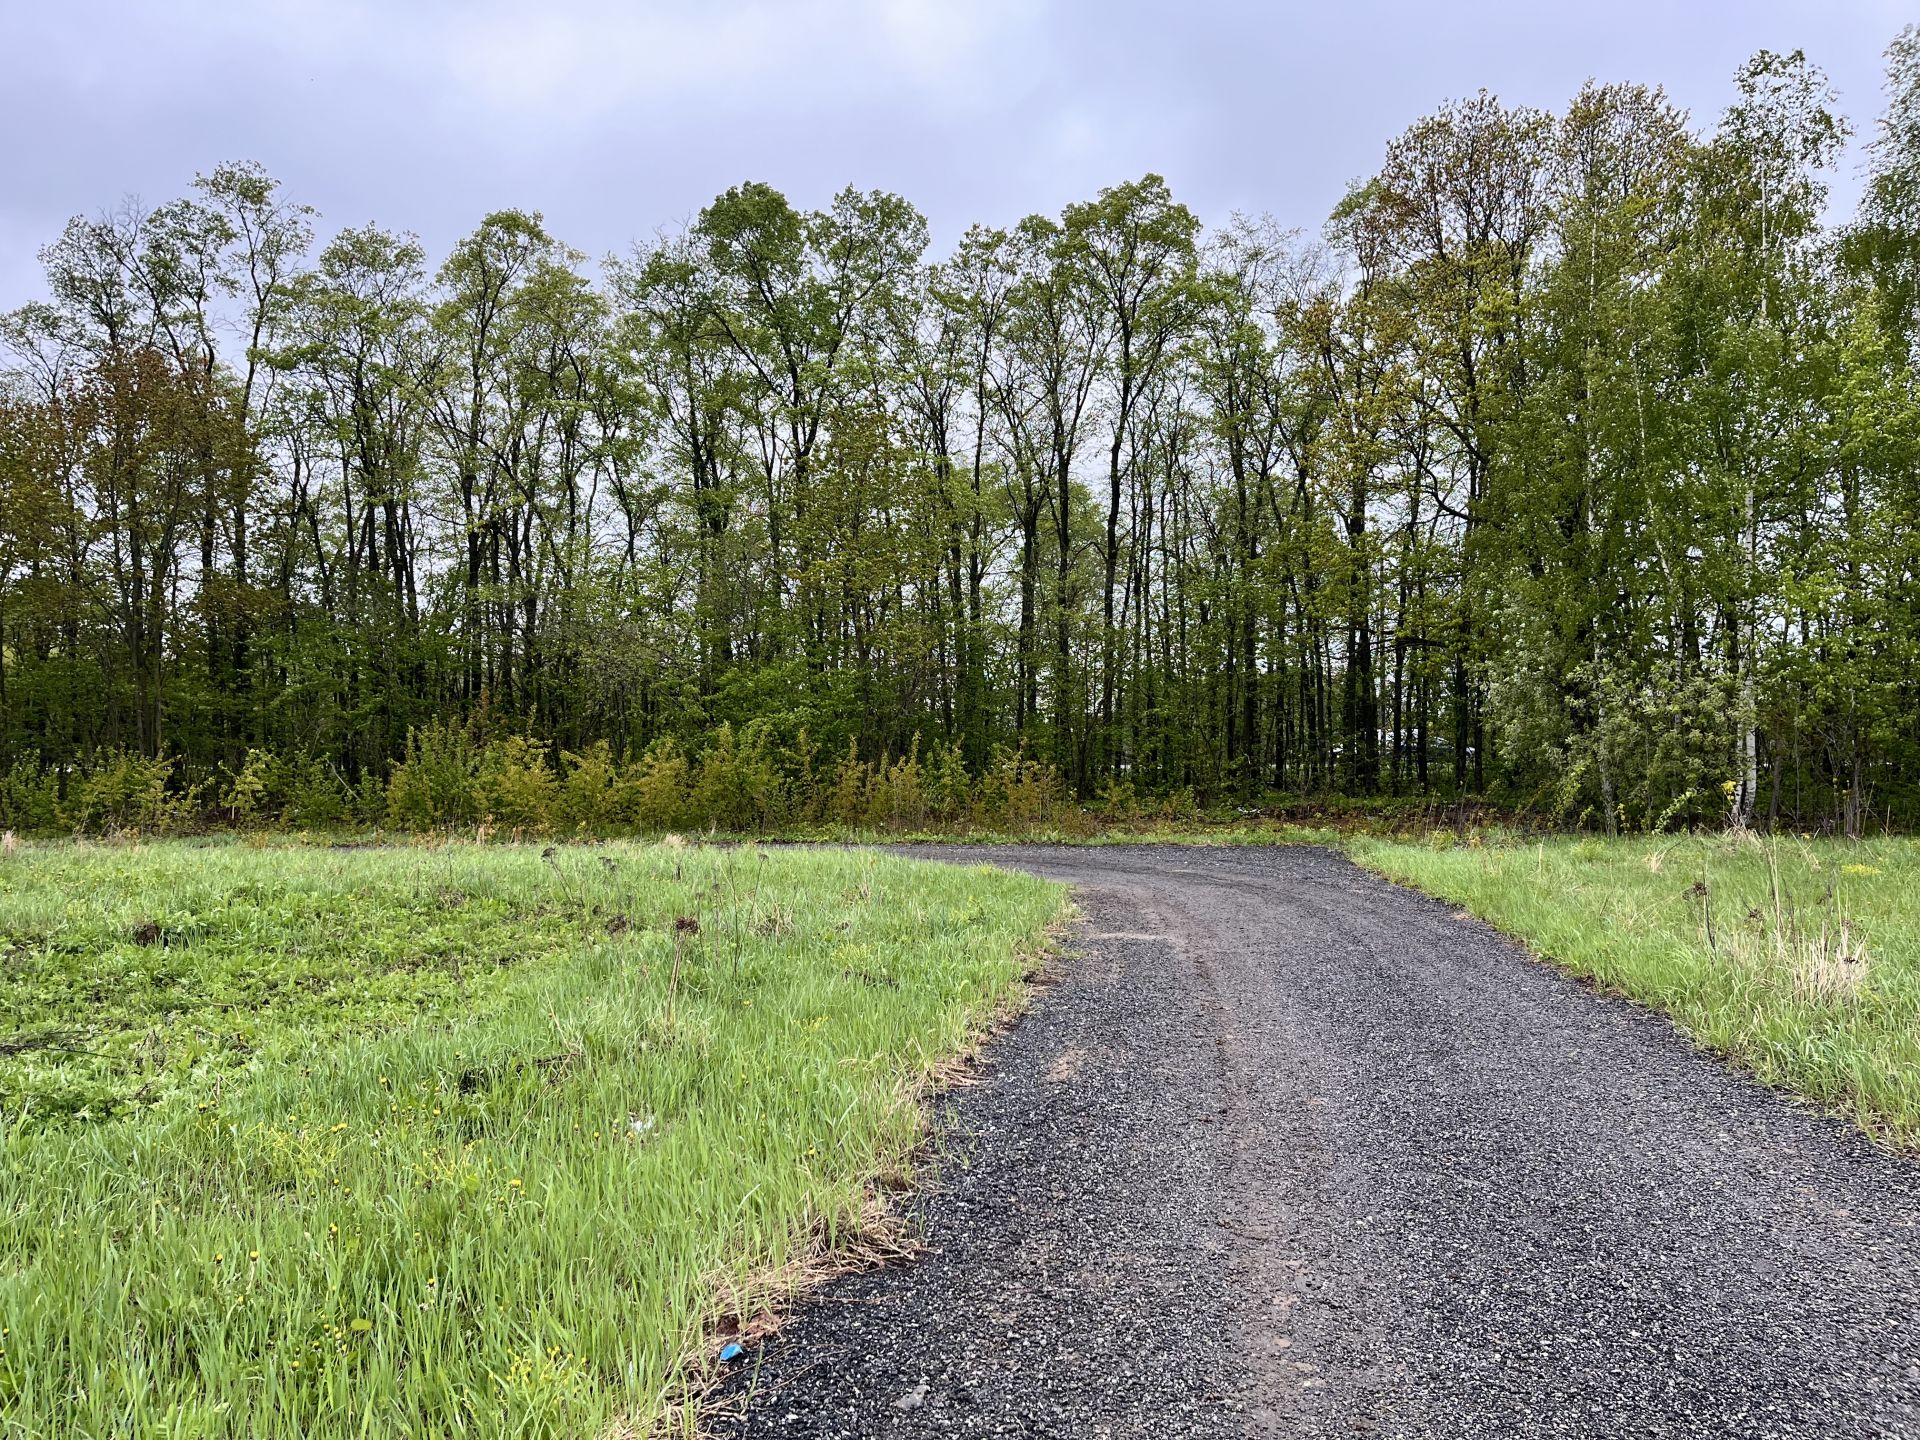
(739, 786)
(1020, 793)
(127, 792)
(586, 799)
(318, 796)
(437, 785)
(250, 791)
(655, 794)
(517, 787)
(451, 778)
(29, 798)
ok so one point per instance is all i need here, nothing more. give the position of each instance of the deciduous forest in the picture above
(1573, 465)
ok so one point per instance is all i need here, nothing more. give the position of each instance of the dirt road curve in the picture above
(1291, 1152)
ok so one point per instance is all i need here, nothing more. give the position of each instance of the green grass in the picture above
(1798, 959)
(440, 1140)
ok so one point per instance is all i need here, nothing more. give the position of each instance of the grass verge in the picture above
(1800, 960)
(456, 1139)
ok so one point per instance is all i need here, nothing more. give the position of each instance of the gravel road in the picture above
(1289, 1151)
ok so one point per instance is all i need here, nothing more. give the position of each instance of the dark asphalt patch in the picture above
(1290, 1151)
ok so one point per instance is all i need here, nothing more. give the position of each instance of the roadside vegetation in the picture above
(1799, 959)
(306, 1141)
(742, 786)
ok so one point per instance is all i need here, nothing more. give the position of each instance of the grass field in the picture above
(435, 1140)
(1798, 959)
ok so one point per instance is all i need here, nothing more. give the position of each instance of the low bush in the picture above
(125, 792)
(437, 784)
(458, 778)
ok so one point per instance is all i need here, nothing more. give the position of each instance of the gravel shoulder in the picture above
(1287, 1150)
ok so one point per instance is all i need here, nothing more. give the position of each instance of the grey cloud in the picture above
(617, 118)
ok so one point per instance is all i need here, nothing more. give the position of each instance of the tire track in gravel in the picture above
(1290, 1151)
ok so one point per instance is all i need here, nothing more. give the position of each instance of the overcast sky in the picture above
(615, 117)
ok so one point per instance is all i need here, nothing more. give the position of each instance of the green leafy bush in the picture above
(317, 796)
(655, 794)
(247, 796)
(585, 803)
(738, 783)
(517, 786)
(29, 797)
(437, 785)
(1020, 793)
(128, 792)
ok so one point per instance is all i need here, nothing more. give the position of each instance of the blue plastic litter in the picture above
(731, 1352)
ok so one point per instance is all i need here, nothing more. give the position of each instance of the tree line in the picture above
(1574, 463)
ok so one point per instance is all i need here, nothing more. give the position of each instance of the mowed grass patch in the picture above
(1800, 959)
(457, 1140)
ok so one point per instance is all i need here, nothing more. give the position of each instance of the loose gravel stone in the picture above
(1286, 1150)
